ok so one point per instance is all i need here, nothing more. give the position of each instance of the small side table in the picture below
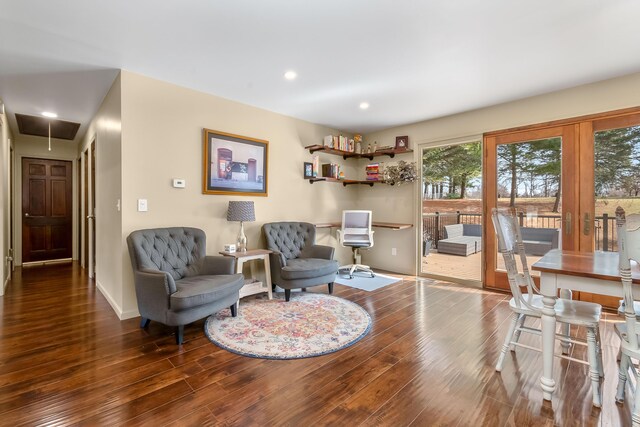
(252, 286)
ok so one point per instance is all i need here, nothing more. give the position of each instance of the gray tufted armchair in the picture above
(296, 261)
(176, 283)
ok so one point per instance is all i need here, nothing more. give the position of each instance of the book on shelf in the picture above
(373, 172)
(339, 142)
(331, 170)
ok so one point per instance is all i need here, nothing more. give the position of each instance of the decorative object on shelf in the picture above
(357, 139)
(328, 141)
(241, 211)
(234, 164)
(402, 142)
(400, 173)
(308, 170)
(316, 166)
(230, 247)
(375, 146)
(368, 148)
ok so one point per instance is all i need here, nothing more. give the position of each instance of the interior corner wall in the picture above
(106, 130)
(5, 194)
(162, 139)
(37, 147)
(399, 203)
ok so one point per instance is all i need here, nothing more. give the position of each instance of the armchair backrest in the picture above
(628, 249)
(356, 228)
(510, 245)
(289, 238)
(179, 251)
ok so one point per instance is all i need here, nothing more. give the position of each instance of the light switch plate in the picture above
(179, 183)
(142, 205)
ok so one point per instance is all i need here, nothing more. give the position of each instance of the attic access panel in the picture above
(39, 126)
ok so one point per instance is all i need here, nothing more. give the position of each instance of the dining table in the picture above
(566, 271)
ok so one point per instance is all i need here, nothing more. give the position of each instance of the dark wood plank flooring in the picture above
(65, 358)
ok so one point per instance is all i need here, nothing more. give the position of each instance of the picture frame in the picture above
(308, 170)
(234, 164)
(402, 142)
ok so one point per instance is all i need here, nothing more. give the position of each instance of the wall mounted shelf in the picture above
(349, 155)
(344, 182)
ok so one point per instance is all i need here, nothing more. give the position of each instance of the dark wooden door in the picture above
(46, 209)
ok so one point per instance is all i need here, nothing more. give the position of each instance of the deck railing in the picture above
(606, 238)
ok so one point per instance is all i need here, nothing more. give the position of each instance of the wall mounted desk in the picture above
(389, 225)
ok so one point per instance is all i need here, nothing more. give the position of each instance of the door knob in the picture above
(26, 214)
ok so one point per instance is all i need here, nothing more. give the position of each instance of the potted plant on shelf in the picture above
(400, 173)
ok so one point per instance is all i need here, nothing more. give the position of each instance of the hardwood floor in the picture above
(65, 358)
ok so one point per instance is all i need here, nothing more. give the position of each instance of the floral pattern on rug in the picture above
(309, 325)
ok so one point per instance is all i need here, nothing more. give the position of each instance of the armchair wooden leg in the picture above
(287, 294)
(179, 334)
(234, 310)
(144, 322)
(331, 287)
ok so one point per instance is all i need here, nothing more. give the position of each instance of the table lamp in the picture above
(241, 211)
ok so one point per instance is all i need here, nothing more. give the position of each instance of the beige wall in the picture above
(162, 127)
(105, 130)
(5, 182)
(398, 204)
(38, 147)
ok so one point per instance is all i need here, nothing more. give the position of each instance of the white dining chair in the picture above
(628, 250)
(527, 302)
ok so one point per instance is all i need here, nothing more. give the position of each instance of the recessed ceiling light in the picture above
(290, 75)
(48, 114)
(364, 105)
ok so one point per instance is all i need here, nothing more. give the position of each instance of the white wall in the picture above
(5, 182)
(106, 130)
(397, 204)
(162, 139)
(38, 147)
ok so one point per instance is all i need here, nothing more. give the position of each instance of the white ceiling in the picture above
(410, 60)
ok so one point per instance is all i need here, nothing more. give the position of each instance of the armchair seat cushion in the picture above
(199, 290)
(307, 268)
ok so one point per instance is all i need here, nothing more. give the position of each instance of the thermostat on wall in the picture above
(179, 183)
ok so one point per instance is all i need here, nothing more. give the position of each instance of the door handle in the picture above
(90, 216)
(586, 226)
(567, 223)
(26, 214)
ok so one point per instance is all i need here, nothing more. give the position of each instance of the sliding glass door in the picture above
(451, 203)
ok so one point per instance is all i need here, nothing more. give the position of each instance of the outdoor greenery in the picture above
(448, 171)
(533, 169)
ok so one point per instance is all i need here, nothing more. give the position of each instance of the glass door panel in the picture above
(537, 173)
(452, 212)
(616, 181)
(529, 179)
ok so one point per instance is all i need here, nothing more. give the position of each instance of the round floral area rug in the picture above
(309, 325)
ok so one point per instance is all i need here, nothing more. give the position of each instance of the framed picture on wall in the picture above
(234, 164)
(402, 142)
(308, 170)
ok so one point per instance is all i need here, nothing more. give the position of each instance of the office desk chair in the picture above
(356, 233)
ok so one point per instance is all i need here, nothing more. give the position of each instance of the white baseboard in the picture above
(122, 315)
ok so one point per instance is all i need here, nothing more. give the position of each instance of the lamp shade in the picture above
(241, 211)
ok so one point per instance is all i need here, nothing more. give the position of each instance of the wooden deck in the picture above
(66, 359)
(461, 267)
